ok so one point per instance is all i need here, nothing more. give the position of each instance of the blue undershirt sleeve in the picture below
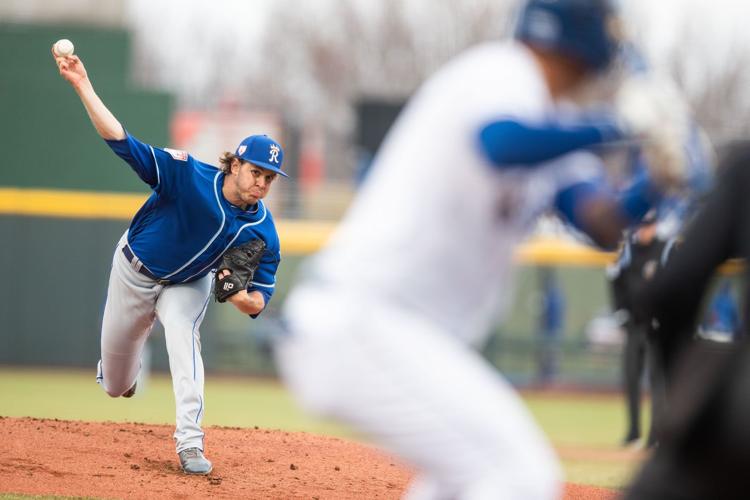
(569, 199)
(633, 202)
(264, 280)
(511, 142)
(639, 197)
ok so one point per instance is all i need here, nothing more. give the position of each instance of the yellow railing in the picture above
(297, 236)
(69, 204)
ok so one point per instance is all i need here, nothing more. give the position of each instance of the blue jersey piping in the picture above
(249, 224)
(223, 220)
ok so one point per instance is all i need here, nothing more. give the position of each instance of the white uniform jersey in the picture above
(435, 225)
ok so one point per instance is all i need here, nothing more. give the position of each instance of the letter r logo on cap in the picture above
(274, 154)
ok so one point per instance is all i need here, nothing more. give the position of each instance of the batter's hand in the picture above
(654, 111)
(71, 68)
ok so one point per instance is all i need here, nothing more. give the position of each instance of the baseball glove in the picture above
(241, 261)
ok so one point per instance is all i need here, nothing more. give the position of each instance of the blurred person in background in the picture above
(163, 265)
(705, 444)
(638, 260)
(382, 325)
(722, 321)
(551, 321)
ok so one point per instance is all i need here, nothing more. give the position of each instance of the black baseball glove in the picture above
(242, 261)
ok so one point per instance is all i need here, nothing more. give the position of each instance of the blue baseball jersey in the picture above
(186, 225)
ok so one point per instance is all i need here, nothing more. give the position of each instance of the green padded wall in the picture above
(49, 141)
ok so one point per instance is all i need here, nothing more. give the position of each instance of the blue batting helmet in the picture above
(583, 29)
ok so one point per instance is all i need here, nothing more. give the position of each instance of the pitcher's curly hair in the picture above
(226, 160)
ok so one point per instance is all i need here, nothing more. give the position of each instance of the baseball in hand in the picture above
(63, 48)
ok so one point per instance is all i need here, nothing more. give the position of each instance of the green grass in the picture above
(580, 420)
(73, 395)
(594, 422)
(599, 473)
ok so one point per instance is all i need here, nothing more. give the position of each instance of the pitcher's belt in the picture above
(141, 268)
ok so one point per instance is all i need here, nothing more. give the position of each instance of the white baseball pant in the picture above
(416, 391)
(133, 303)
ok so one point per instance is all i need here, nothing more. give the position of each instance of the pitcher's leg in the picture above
(181, 309)
(128, 319)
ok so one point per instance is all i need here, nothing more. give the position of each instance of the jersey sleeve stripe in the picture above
(264, 285)
(156, 164)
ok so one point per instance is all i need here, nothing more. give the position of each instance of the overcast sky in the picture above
(720, 20)
(716, 23)
(178, 37)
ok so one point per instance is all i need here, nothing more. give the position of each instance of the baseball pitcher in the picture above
(198, 219)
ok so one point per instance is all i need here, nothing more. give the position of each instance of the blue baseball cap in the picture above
(262, 151)
(585, 29)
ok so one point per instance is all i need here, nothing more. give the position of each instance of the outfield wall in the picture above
(52, 303)
(49, 140)
(56, 257)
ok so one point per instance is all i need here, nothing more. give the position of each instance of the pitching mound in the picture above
(123, 460)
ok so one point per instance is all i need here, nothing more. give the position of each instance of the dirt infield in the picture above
(118, 460)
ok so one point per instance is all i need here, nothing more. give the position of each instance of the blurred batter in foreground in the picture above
(382, 323)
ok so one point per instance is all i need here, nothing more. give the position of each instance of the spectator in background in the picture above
(722, 321)
(551, 320)
(640, 256)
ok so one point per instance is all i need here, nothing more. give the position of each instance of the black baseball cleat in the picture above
(130, 392)
(193, 462)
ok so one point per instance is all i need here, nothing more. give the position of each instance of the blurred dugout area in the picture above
(65, 199)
